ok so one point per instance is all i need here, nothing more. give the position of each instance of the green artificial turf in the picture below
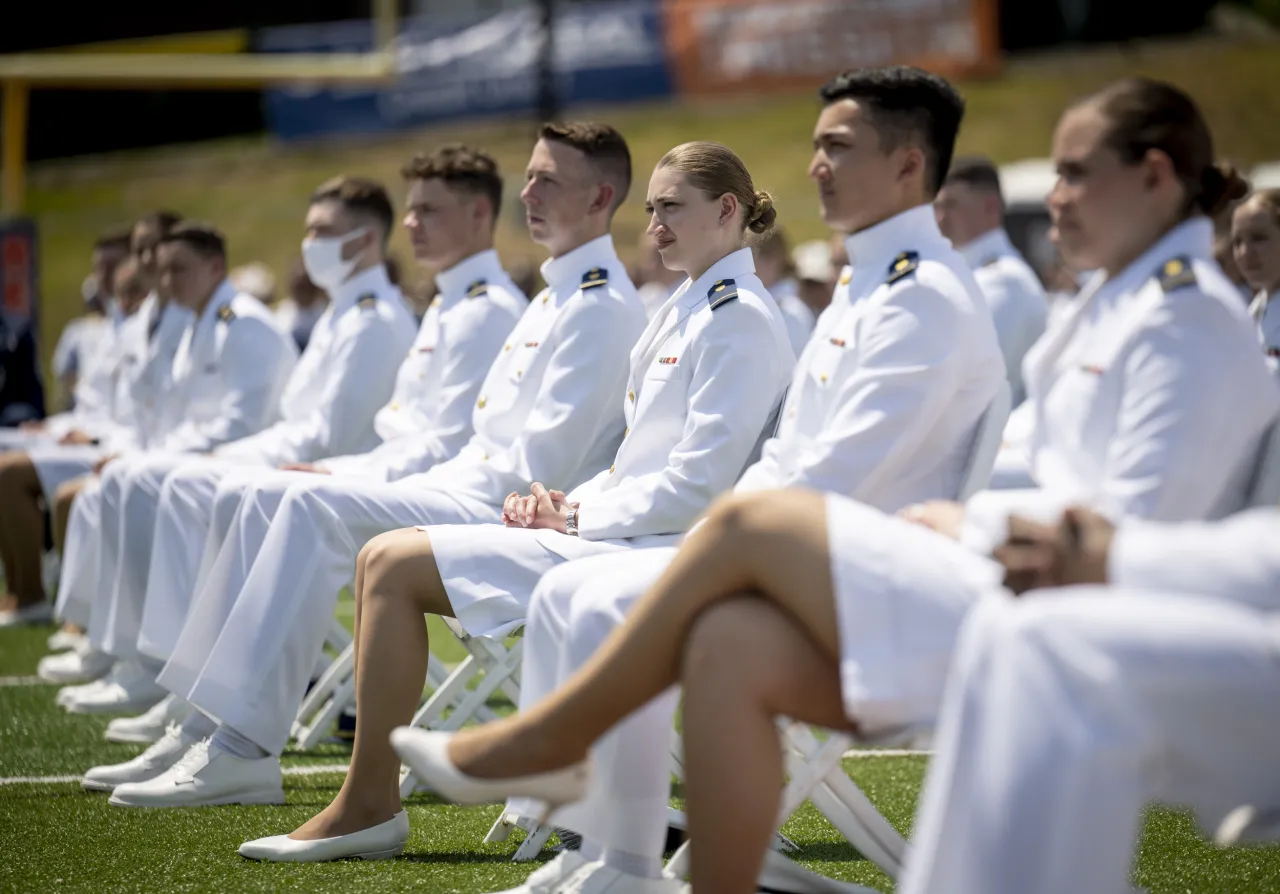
(57, 837)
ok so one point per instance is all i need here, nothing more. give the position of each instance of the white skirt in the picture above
(902, 592)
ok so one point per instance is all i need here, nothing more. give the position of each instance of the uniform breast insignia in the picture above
(1176, 273)
(903, 265)
(667, 361)
(594, 278)
(532, 344)
(477, 289)
(838, 342)
(367, 301)
(722, 293)
(226, 314)
(1093, 369)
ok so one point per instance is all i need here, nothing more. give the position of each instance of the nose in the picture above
(818, 169)
(1057, 197)
(527, 194)
(410, 221)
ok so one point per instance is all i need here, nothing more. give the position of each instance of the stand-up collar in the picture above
(915, 228)
(564, 274)
(454, 284)
(987, 247)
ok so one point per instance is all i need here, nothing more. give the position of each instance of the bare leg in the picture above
(398, 585)
(746, 663)
(21, 530)
(773, 544)
(61, 511)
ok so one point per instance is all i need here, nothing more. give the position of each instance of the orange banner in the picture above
(749, 46)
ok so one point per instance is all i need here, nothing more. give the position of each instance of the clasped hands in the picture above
(542, 508)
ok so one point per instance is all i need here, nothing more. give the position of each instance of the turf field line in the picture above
(885, 752)
(23, 681)
(55, 780)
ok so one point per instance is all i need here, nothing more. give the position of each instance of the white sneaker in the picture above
(596, 878)
(149, 727)
(148, 765)
(82, 665)
(546, 878)
(67, 694)
(65, 640)
(129, 689)
(39, 613)
(380, 842)
(204, 777)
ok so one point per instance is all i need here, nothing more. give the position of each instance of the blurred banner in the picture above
(734, 46)
(605, 52)
(17, 271)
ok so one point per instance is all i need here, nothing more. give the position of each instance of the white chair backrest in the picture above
(986, 444)
(1265, 487)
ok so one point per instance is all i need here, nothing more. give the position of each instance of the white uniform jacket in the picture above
(428, 419)
(706, 378)
(887, 394)
(343, 377)
(1017, 300)
(228, 374)
(1149, 400)
(161, 330)
(547, 410)
(1266, 314)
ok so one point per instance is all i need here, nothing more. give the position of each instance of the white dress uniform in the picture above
(799, 316)
(1016, 298)
(882, 407)
(427, 420)
(327, 406)
(1266, 313)
(547, 411)
(1067, 711)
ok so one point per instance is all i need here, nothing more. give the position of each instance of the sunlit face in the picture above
(1255, 245)
(965, 213)
(560, 189)
(684, 223)
(130, 286)
(187, 277)
(440, 222)
(858, 183)
(1101, 208)
(142, 242)
(105, 261)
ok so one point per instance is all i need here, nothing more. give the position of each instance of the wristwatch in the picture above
(571, 521)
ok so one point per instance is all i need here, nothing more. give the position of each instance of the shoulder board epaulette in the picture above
(1176, 273)
(226, 314)
(722, 293)
(903, 265)
(596, 276)
(477, 289)
(367, 301)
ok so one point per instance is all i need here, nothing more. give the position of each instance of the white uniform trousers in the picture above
(575, 608)
(81, 557)
(130, 492)
(57, 464)
(252, 637)
(1067, 712)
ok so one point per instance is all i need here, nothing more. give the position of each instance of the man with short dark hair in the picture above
(970, 211)
(158, 507)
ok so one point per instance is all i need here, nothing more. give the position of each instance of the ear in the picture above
(604, 198)
(1157, 169)
(728, 207)
(913, 164)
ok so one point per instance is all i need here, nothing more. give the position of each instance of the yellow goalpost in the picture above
(21, 72)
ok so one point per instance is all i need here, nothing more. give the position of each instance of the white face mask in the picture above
(322, 259)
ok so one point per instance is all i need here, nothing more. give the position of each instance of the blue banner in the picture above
(606, 52)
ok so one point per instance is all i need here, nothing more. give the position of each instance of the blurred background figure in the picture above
(255, 279)
(653, 280)
(21, 390)
(1255, 249)
(81, 337)
(302, 306)
(773, 266)
(816, 272)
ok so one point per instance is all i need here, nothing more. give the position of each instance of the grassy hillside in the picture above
(256, 189)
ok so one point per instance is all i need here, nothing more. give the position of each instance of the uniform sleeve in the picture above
(254, 363)
(733, 387)
(584, 383)
(472, 341)
(1237, 559)
(366, 358)
(913, 358)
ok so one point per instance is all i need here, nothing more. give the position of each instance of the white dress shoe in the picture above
(150, 726)
(597, 878)
(67, 694)
(380, 842)
(39, 613)
(546, 878)
(81, 665)
(204, 777)
(148, 765)
(427, 754)
(65, 640)
(1249, 825)
(129, 688)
